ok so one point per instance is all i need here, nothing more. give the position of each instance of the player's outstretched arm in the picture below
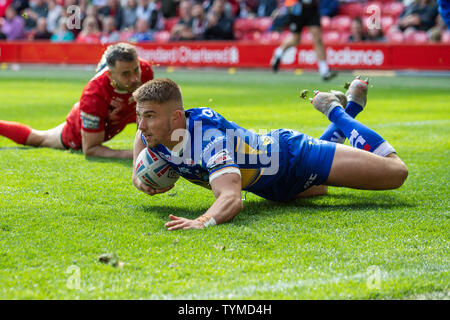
(92, 147)
(227, 190)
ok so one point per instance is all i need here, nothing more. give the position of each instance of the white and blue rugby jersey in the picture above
(212, 146)
(276, 165)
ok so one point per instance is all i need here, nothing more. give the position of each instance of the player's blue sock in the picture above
(359, 135)
(332, 132)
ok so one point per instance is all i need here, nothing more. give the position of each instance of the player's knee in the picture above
(239, 205)
(35, 139)
(400, 174)
(403, 173)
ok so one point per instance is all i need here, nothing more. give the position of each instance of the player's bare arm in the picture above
(92, 147)
(227, 190)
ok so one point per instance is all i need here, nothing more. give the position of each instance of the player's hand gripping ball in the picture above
(154, 171)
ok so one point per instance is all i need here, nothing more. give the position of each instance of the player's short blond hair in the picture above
(159, 91)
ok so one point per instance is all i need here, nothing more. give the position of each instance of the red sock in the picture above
(15, 131)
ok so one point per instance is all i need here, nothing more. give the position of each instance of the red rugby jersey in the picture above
(103, 108)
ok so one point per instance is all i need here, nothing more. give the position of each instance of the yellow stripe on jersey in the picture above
(249, 177)
(244, 148)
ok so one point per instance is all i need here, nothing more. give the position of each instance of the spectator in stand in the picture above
(143, 33)
(328, 8)
(199, 21)
(280, 18)
(232, 7)
(220, 27)
(129, 16)
(247, 8)
(148, 11)
(75, 15)
(207, 4)
(54, 14)
(375, 34)
(182, 30)
(12, 26)
(99, 3)
(20, 5)
(62, 34)
(127, 33)
(358, 34)
(38, 9)
(92, 12)
(109, 31)
(266, 8)
(112, 9)
(435, 33)
(41, 32)
(420, 15)
(169, 8)
(4, 4)
(444, 11)
(90, 32)
(83, 4)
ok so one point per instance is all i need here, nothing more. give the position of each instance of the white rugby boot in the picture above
(341, 96)
(325, 102)
(357, 91)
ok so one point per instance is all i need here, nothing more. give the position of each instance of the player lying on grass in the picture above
(106, 106)
(280, 165)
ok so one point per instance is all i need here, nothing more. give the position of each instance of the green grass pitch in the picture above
(59, 211)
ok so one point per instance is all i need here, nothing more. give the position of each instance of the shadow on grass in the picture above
(16, 148)
(162, 212)
(126, 162)
(264, 208)
(333, 202)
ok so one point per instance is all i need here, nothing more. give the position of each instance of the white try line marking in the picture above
(412, 123)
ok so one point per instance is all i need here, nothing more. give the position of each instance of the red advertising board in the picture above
(240, 54)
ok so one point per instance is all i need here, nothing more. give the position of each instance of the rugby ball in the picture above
(154, 171)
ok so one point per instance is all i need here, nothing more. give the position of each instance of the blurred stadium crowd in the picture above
(105, 21)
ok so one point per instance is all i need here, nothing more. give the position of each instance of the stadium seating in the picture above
(270, 37)
(416, 37)
(395, 37)
(335, 29)
(392, 9)
(352, 10)
(386, 23)
(259, 29)
(325, 23)
(341, 23)
(372, 8)
(331, 37)
(170, 23)
(162, 36)
(306, 37)
(263, 24)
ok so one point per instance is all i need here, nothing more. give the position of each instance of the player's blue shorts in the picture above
(304, 162)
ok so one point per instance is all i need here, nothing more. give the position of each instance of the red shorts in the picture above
(69, 139)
